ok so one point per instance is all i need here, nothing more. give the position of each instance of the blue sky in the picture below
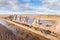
(34, 3)
(51, 7)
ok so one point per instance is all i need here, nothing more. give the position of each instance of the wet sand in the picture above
(6, 34)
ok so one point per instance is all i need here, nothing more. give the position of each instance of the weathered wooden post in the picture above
(36, 22)
(18, 18)
(25, 19)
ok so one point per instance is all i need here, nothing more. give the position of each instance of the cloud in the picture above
(50, 7)
(13, 5)
(52, 4)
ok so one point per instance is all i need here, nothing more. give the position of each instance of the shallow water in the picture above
(42, 22)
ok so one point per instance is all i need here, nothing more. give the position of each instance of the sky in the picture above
(45, 7)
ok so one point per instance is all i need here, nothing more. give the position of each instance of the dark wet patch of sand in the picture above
(6, 34)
